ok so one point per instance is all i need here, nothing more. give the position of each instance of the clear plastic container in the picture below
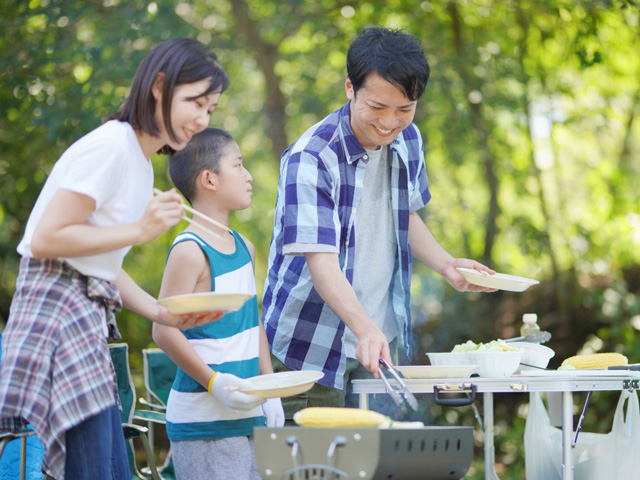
(529, 324)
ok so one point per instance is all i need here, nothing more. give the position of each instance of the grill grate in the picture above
(316, 472)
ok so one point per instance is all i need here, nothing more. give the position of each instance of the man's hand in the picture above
(457, 280)
(371, 346)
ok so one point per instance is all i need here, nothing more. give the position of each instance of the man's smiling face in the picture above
(379, 111)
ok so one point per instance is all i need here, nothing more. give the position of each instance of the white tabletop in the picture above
(530, 381)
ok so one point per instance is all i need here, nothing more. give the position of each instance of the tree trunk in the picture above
(266, 56)
(482, 130)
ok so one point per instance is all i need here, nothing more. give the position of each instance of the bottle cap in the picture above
(530, 318)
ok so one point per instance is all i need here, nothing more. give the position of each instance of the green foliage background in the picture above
(531, 137)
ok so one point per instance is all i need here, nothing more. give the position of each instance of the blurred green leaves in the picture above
(530, 124)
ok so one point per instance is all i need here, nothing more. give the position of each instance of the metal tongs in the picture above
(398, 391)
(535, 337)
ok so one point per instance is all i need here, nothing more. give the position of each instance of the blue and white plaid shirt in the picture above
(320, 186)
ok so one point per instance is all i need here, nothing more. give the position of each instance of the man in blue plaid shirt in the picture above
(337, 290)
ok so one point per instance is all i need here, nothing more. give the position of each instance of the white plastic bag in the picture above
(596, 456)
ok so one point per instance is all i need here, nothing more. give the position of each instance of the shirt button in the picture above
(365, 157)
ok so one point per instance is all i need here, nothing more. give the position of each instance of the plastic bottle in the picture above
(529, 324)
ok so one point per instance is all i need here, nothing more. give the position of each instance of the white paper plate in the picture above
(436, 371)
(576, 373)
(282, 384)
(205, 302)
(501, 281)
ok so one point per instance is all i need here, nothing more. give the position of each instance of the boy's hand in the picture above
(273, 413)
(185, 321)
(225, 388)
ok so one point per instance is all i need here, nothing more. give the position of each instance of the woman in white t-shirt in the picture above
(97, 202)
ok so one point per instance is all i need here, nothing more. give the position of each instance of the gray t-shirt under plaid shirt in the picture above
(375, 249)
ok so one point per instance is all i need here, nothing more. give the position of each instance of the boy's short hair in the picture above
(203, 152)
(393, 54)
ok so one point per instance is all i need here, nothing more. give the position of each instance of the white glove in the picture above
(225, 388)
(273, 413)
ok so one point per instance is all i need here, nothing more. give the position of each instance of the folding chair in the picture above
(22, 434)
(36, 449)
(120, 359)
(159, 373)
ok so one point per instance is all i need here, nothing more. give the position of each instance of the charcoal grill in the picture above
(299, 453)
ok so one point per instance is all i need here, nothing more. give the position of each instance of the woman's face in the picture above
(190, 112)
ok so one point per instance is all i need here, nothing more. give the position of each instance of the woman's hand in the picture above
(185, 321)
(163, 212)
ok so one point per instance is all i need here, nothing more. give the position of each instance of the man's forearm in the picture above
(424, 247)
(337, 292)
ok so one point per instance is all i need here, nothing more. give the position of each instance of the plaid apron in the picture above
(56, 369)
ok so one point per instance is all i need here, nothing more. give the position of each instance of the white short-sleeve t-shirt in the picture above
(109, 166)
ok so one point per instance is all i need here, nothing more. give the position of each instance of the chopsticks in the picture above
(198, 214)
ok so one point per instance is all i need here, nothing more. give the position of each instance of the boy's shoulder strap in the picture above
(186, 236)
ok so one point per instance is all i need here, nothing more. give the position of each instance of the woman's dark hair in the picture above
(181, 61)
(394, 55)
(203, 152)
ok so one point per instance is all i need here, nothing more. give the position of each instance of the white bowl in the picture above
(495, 364)
(534, 354)
(448, 358)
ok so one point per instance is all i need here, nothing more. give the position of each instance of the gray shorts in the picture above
(220, 459)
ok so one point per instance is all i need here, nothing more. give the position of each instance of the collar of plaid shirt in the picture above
(319, 189)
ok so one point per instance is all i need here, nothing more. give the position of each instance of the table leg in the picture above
(489, 448)
(567, 433)
(364, 401)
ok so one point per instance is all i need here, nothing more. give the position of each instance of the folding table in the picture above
(563, 382)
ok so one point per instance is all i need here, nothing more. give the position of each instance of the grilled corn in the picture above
(596, 360)
(338, 417)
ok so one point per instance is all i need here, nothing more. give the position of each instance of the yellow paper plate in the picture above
(282, 384)
(436, 371)
(205, 302)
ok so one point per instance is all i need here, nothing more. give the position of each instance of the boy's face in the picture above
(379, 112)
(234, 180)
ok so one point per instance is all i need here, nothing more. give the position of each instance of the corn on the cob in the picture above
(338, 417)
(596, 360)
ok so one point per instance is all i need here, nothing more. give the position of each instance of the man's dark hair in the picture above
(393, 54)
(182, 61)
(203, 152)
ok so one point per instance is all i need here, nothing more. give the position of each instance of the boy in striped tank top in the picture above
(210, 427)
